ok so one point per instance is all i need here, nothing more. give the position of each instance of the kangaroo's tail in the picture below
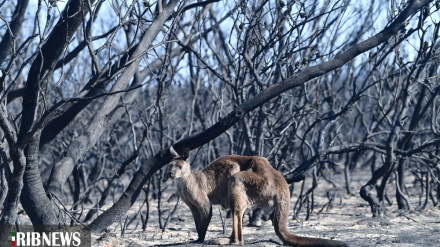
(280, 218)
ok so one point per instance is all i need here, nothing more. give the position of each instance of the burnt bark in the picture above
(37, 205)
(24, 146)
(14, 28)
(15, 181)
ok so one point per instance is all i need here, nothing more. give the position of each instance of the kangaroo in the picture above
(238, 183)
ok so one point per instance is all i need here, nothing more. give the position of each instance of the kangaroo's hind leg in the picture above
(238, 204)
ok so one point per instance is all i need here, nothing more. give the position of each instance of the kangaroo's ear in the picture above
(174, 153)
(185, 154)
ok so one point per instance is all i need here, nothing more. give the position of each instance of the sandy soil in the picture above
(349, 220)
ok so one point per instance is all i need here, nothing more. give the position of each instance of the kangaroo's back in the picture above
(217, 174)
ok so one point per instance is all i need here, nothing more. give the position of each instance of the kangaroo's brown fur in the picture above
(238, 182)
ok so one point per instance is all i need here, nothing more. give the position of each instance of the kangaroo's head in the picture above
(180, 166)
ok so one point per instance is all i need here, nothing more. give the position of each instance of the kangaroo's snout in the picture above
(172, 175)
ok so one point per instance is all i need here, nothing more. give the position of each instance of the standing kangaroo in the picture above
(238, 182)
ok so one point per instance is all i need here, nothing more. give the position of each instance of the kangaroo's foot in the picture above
(198, 241)
(233, 240)
(236, 242)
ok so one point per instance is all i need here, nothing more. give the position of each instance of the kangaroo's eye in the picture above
(180, 167)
